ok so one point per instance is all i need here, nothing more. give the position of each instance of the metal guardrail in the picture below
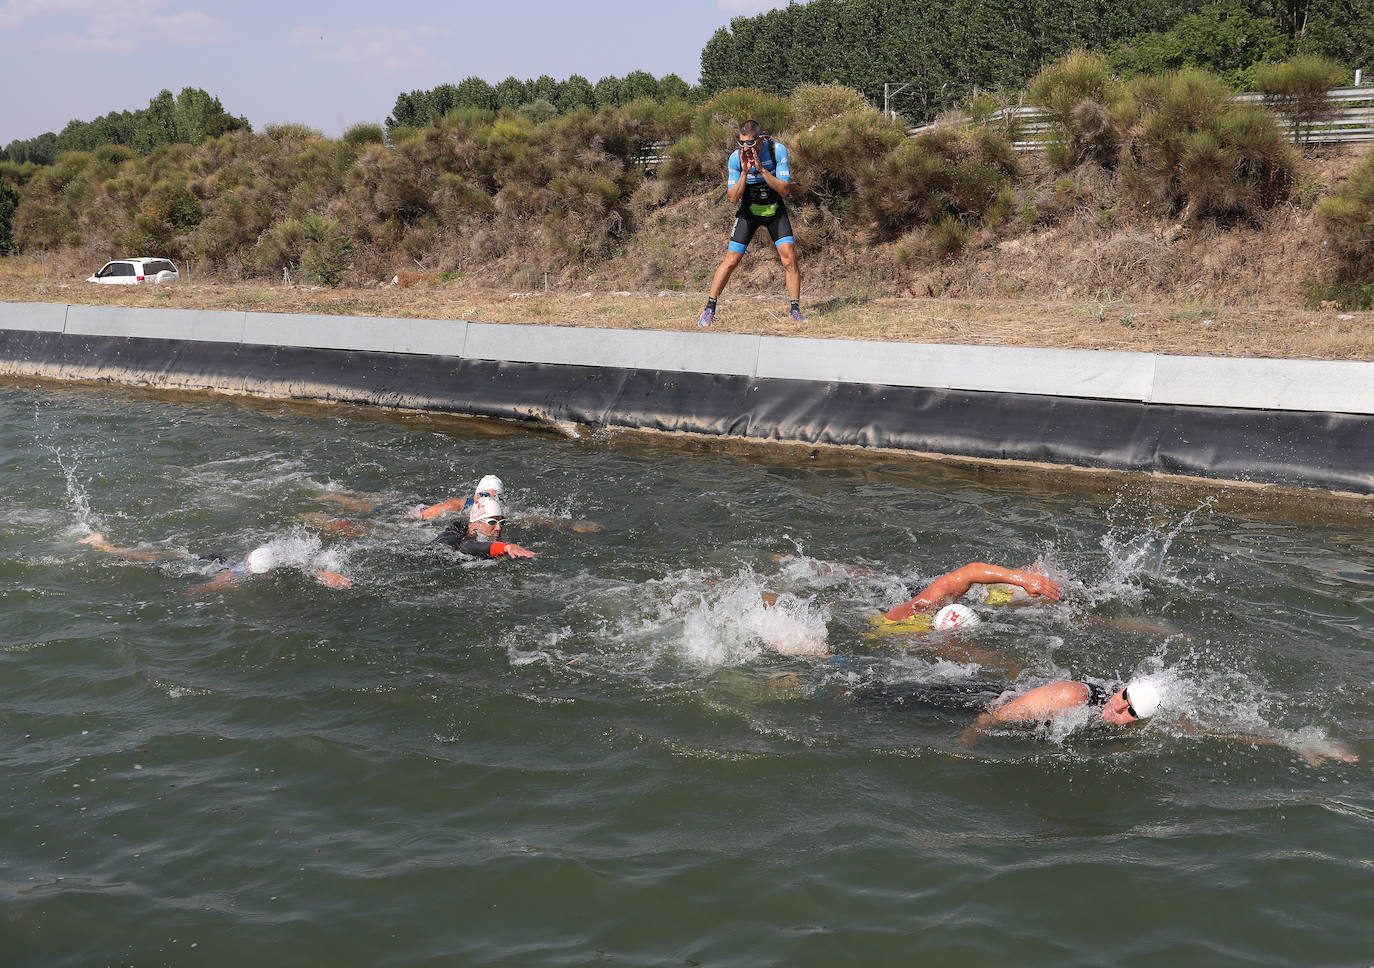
(1352, 120)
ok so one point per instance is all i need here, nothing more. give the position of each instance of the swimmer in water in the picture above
(1118, 706)
(1003, 586)
(491, 486)
(480, 535)
(259, 561)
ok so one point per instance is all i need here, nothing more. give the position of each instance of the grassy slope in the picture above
(1075, 279)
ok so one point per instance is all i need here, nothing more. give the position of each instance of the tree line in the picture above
(544, 96)
(944, 51)
(188, 118)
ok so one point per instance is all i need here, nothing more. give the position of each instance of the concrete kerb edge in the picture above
(1290, 385)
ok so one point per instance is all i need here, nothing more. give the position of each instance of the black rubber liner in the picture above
(1331, 451)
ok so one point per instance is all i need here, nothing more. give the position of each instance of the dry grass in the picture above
(1092, 322)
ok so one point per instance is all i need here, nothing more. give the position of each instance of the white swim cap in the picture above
(1143, 696)
(491, 484)
(261, 560)
(954, 616)
(484, 507)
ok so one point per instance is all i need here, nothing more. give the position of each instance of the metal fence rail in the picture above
(1351, 120)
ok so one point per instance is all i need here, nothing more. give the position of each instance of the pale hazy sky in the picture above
(324, 64)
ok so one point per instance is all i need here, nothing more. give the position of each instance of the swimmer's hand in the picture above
(1035, 584)
(332, 579)
(1317, 752)
(96, 540)
(515, 551)
(582, 527)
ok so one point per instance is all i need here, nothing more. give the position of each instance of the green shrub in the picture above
(328, 250)
(538, 111)
(365, 133)
(279, 247)
(1347, 218)
(1086, 106)
(1195, 153)
(829, 155)
(1297, 89)
(694, 163)
(9, 201)
(813, 103)
(721, 116)
(951, 170)
(1345, 296)
(291, 132)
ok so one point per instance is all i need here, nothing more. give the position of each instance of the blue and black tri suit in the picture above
(761, 205)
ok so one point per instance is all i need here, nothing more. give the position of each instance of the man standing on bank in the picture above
(760, 179)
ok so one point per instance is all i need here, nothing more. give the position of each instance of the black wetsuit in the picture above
(964, 694)
(456, 536)
(974, 694)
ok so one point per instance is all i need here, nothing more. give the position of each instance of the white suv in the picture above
(130, 272)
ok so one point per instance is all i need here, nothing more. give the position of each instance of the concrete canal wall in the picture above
(1305, 423)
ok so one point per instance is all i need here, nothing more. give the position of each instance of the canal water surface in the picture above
(599, 755)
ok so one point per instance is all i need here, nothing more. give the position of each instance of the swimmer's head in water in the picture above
(1142, 698)
(486, 508)
(491, 484)
(954, 617)
(1138, 700)
(261, 560)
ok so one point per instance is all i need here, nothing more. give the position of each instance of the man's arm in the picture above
(781, 182)
(948, 587)
(739, 163)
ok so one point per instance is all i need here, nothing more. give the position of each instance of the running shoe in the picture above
(797, 317)
(708, 316)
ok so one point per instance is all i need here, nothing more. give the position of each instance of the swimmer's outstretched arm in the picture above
(354, 500)
(1314, 752)
(223, 580)
(450, 506)
(226, 578)
(549, 521)
(1033, 705)
(500, 548)
(948, 587)
(97, 541)
(330, 527)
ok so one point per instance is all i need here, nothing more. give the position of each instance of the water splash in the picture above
(85, 519)
(1134, 556)
(738, 619)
